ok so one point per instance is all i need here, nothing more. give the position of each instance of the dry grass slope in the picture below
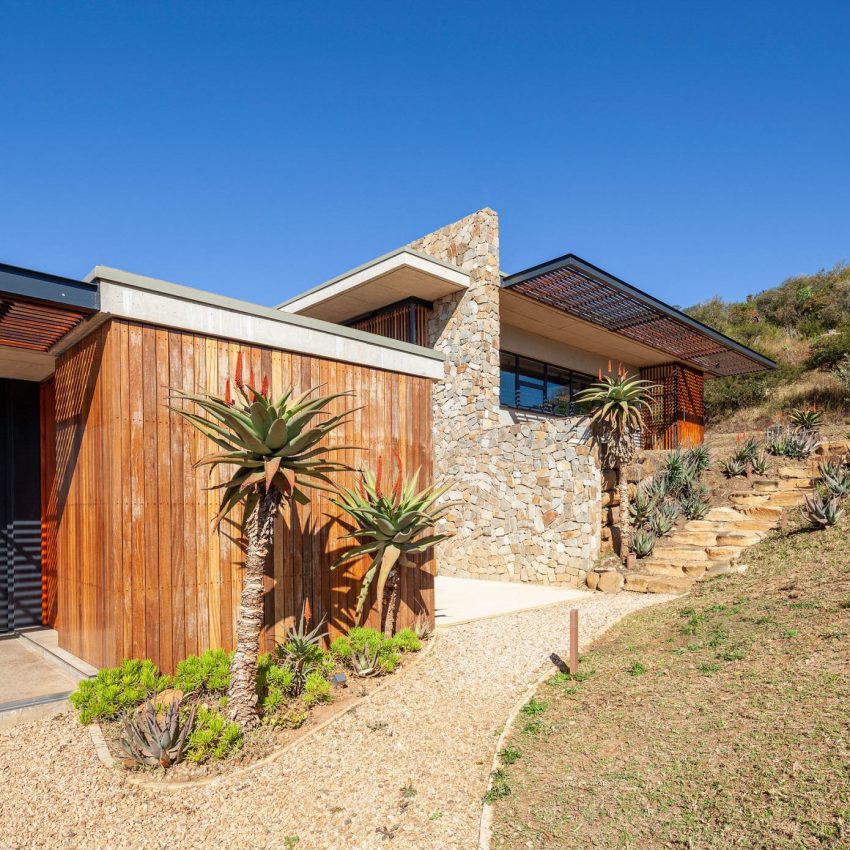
(720, 720)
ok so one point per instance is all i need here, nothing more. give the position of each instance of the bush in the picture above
(317, 689)
(117, 689)
(407, 640)
(208, 672)
(828, 351)
(212, 737)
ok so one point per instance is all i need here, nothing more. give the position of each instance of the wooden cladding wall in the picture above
(677, 419)
(407, 322)
(141, 573)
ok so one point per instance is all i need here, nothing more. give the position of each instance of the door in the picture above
(20, 506)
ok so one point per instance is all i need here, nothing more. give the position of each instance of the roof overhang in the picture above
(585, 291)
(379, 283)
(40, 314)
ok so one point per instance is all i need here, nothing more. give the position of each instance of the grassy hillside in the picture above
(803, 324)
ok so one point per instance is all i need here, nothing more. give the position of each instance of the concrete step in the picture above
(693, 537)
(646, 583)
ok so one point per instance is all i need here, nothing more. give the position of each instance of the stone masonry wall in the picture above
(528, 494)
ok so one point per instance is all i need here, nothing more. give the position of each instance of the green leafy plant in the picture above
(636, 669)
(643, 543)
(842, 373)
(534, 707)
(155, 737)
(208, 672)
(406, 640)
(212, 737)
(316, 689)
(271, 448)
(368, 644)
(734, 468)
(820, 511)
(387, 525)
(509, 754)
(302, 651)
(115, 689)
(809, 418)
(618, 406)
(499, 786)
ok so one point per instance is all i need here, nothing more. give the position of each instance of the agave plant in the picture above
(747, 450)
(679, 475)
(698, 458)
(662, 521)
(734, 467)
(641, 507)
(821, 511)
(695, 505)
(302, 651)
(367, 662)
(618, 406)
(387, 525)
(273, 446)
(835, 479)
(796, 443)
(156, 737)
(809, 418)
(761, 464)
(643, 543)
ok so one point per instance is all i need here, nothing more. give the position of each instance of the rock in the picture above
(610, 581)
(592, 580)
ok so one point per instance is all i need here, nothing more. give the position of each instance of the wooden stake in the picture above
(573, 641)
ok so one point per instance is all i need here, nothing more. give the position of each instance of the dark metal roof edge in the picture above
(49, 288)
(594, 271)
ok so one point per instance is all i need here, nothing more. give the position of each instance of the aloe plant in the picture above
(274, 448)
(387, 527)
(301, 653)
(734, 467)
(643, 543)
(835, 479)
(618, 406)
(821, 511)
(662, 521)
(156, 737)
(809, 418)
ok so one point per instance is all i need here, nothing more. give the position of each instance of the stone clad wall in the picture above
(528, 494)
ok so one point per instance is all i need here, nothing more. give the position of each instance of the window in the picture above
(529, 384)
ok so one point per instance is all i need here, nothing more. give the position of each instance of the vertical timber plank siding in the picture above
(139, 570)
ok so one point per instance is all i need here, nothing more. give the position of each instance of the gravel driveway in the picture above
(404, 770)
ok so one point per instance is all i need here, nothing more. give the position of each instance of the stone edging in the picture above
(153, 785)
(485, 832)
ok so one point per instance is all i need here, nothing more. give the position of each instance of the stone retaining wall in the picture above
(528, 494)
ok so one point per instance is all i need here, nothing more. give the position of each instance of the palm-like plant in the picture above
(273, 448)
(618, 405)
(387, 525)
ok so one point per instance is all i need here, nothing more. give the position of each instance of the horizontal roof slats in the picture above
(34, 325)
(573, 286)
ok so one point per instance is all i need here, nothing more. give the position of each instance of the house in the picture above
(105, 524)
(518, 348)
(470, 374)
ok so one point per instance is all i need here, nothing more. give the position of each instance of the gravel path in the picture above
(406, 770)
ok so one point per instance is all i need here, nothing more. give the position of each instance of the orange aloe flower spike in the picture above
(238, 376)
(227, 399)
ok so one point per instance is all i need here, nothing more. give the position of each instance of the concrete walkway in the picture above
(462, 600)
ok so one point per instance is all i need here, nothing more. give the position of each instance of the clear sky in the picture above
(258, 149)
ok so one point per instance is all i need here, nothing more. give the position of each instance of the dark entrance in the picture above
(20, 506)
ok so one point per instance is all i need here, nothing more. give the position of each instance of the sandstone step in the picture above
(693, 537)
(645, 583)
(766, 486)
(785, 499)
(795, 484)
(741, 523)
(738, 538)
(804, 472)
(661, 568)
(719, 514)
(748, 500)
(721, 568)
(678, 554)
(724, 553)
(766, 512)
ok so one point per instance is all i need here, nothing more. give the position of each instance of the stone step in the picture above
(693, 537)
(748, 500)
(801, 472)
(724, 553)
(720, 514)
(738, 538)
(678, 554)
(646, 583)
(766, 485)
(765, 512)
(741, 523)
(785, 499)
(721, 568)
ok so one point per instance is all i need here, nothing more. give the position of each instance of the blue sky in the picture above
(258, 149)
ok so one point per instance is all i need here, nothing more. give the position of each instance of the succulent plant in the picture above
(835, 479)
(302, 651)
(641, 507)
(809, 418)
(698, 458)
(796, 443)
(387, 526)
(734, 467)
(643, 543)
(662, 521)
(155, 736)
(422, 627)
(695, 505)
(821, 511)
(366, 663)
(761, 464)
(747, 451)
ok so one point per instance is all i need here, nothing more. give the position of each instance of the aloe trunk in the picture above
(625, 519)
(242, 693)
(391, 602)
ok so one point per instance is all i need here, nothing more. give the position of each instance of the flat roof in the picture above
(581, 289)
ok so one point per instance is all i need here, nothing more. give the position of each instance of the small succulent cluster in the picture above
(748, 452)
(675, 490)
(793, 441)
(825, 507)
(156, 736)
(808, 418)
(367, 652)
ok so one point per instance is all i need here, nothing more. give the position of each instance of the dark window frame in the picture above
(545, 409)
